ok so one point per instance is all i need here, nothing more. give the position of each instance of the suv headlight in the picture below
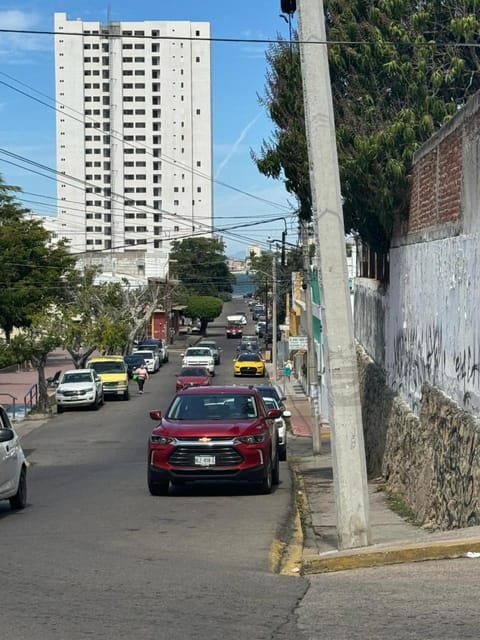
(154, 439)
(254, 438)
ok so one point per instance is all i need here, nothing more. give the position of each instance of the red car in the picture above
(234, 330)
(220, 433)
(193, 377)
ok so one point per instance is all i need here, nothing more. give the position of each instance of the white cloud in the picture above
(17, 44)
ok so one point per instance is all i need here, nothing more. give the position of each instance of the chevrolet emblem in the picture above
(204, 439)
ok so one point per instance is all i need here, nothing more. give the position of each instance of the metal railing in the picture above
(31, 398)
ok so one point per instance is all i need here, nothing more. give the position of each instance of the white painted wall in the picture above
(432, 330)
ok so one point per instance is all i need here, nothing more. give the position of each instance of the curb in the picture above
(394, 554)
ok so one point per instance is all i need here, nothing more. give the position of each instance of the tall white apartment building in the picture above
(134, 136)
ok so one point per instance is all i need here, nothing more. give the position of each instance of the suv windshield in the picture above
(108, 367)
(198, 352)
(213, 407)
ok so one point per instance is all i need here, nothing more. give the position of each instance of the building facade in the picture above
(134, 136)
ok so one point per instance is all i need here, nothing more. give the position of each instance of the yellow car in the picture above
(113, 373)
(248, 364)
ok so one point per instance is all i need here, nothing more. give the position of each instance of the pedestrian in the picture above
(140, 375)
(287, 369)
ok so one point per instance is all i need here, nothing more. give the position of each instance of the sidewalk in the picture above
(16, 381)
(314, 548)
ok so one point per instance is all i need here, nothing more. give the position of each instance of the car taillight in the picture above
(154, 439)
(254, 438)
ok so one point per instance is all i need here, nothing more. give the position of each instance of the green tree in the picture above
(35, 343)
(201, 265)
(399, 70)
(206, 308)
(33, 273)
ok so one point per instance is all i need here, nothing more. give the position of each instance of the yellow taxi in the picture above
(249, 364)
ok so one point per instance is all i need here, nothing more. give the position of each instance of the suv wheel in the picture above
(265, 486)
(158, 488)
(126, 395)
(19, 500)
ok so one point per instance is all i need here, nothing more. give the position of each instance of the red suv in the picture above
(214, 433)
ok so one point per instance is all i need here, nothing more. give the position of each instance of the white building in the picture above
(134, 136)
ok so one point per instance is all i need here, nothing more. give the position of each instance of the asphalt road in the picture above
(95, 556)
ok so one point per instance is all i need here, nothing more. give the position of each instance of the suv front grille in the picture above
(225, 456)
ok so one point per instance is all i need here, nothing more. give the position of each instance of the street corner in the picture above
(377, 556)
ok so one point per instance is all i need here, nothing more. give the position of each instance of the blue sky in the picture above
(27, 127)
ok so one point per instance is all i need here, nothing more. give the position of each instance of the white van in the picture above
(13, 466)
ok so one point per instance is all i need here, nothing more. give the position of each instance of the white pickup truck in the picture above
(199, 357)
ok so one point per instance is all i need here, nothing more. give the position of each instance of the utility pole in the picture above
(312, 370)
(345, 416)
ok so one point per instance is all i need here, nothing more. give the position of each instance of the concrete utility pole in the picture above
(345, 416)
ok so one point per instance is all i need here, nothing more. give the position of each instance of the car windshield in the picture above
(194, 371)
(133, 359)
(269, 392)
(213, 407)
(249, 357)
(108, 367)
(77, 377)
(198, 352)
(146, 354)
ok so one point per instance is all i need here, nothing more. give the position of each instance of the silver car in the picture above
(13, 466)
(79, 388)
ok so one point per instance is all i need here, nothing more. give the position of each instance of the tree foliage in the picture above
(201, 265)
(33, 273)
(206, 308)
(399, 70)
(35, 343)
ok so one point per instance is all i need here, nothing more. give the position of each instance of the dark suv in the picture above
(214, 433)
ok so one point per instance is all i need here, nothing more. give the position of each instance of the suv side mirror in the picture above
(6, 435)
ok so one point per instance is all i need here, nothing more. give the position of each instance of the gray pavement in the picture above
(314, 546)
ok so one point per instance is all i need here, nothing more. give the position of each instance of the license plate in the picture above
(205, 461)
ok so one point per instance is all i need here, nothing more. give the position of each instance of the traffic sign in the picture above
(296, 343)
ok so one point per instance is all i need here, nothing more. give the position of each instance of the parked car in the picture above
(214, 433)
(193, 377)
(151, 358)
(271, 403)
(249, 343)
(272, 391)
(113, 373)
(13, 465)
(157, 344)
(79, 388)
(199, 357)
(249, 364)
(261, 328)
(234, 330)
(214, 348)
(133, 361)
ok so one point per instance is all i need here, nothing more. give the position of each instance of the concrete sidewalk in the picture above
(314, 547)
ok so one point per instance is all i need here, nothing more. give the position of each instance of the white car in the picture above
(199, 357)
(79, 388)
(151, 358)
(13, 465)
(272, 403)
